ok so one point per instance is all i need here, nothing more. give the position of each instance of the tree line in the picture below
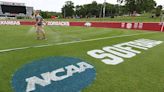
(124, 7)
(94, 9)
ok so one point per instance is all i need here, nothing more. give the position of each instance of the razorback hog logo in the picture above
(54, 74)
(88, 24)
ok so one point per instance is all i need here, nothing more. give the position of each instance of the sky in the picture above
(56, 5)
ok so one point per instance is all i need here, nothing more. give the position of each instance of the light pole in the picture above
(100, 15)
(104, 8)
(64, 13)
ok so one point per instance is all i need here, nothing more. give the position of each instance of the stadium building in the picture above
(13, 10)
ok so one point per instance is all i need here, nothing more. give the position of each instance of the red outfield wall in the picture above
(138, 26)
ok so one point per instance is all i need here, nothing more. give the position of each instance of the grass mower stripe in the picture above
(65, 43)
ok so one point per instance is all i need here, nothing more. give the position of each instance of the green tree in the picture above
(47, 14)
(138, 5)
(111, 10)
(158, 10)
(68, 9)
(148, 5)
(80, 11)
(91, 10)
(43, 14)
(94, 9)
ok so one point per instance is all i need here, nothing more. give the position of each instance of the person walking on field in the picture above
(39, 26)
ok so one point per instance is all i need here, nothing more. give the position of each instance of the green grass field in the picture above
(142, 73)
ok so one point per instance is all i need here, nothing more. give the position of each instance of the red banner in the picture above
(138, 26)
(125, 25)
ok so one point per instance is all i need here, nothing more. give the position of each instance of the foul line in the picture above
(65, 43)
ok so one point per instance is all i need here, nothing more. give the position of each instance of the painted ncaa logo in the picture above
(54, 74)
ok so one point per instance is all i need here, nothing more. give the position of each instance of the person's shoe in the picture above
(38, 38)
(44, 38)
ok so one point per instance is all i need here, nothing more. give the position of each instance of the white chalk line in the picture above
(65, 43)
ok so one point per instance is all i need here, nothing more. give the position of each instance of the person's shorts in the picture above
(40, 24)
